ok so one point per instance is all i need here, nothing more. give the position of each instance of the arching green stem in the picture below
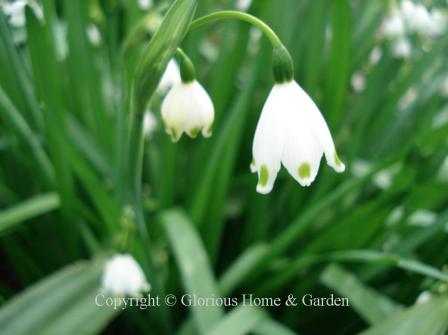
(233, 14)
(282, 62)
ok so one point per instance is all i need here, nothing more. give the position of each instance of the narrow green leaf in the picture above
(67, 296)
(19, 124)
(160, 50)
(371, 305)
(241, 320)
(269, 326)
(28, 209)
(339, 65)
(314, 50)
(430, 318)
(194, 266)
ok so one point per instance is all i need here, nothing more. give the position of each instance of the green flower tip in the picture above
(337, 160)
(305, 171)
(263, 176)
(175, 136)
(193, 133)
(208, 132)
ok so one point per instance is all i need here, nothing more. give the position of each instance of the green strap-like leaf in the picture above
(194, 267)
(160, 50)
(239, 321)
(63, 303)
(430, 318)
(371, 305)
(28, 209)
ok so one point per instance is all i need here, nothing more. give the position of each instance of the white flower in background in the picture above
(408, 9)
(145, 4)
(15, 11)
(422, 218)
(254, 40)
(444, 89)
(375, 55)
(93, 34)
(358, 82)
(124, 276)
(187, 108)
(291, 131)
(393, 26)
(243, 5)
(170, 77)
(423, 298)
(420, 21)
(402, 48)
(149, 123)
(408, 98)
(438, 23)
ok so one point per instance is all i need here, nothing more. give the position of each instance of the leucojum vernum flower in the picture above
(291, 130)
(123, 276)
(187, 106)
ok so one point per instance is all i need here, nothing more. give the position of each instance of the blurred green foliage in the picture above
(376, 234)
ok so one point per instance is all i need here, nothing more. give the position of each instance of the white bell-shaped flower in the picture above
(291, 131)
(124, 276)
(187, 108)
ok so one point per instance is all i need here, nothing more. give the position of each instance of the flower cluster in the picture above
(291, 131)
(409, 19)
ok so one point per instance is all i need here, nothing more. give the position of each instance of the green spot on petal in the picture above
(174, 135)
(208, 132)
(263, 175)
(305, 171)
(337, 160)
(193, 133)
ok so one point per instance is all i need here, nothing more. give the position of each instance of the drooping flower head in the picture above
(291, 131)
(123, 276)
(187, 106)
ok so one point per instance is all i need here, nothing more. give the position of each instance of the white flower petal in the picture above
(302, 150)
(170, 77)
(268, 141)
(321, 130)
